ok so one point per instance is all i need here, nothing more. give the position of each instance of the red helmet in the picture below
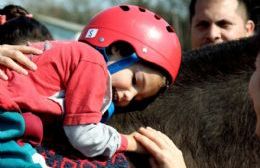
(153, 39)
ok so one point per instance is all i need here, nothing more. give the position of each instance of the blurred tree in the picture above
(73, 11)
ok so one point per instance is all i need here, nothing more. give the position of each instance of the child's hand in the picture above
(133, 145)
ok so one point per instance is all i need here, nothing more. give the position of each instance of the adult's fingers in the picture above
(160, 157)
(148, 144)
(154, 136)
(21, 59)
(3, 75)
(166, 139)
(24, 49)
(9, 63)
(164, 152)
(8, 51)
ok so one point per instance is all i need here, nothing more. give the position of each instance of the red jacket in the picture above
(59, 69)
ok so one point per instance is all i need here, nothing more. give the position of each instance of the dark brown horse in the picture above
(207, 112)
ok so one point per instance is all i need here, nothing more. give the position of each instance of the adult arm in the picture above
(12, 56)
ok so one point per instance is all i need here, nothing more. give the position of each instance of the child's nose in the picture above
(130, 94)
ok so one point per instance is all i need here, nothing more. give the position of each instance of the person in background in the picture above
(216, 21)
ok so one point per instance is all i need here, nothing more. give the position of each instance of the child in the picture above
(72, 82)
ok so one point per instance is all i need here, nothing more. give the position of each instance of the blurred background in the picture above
(66, 18)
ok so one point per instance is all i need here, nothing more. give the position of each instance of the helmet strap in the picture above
(104, 53)
(108, 114)
(113, 68)
(123, 63)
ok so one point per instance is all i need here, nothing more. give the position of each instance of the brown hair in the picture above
(13, 11)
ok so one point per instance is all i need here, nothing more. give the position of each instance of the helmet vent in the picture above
(157, 17)
(125, 8)
(170, 29)
(142, 9)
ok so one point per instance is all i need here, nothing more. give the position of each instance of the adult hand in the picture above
(133, 145)
(164, 152)
(12, 56)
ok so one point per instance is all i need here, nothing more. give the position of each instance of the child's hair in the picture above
(13, 11)
(22, 29)
(124, 48)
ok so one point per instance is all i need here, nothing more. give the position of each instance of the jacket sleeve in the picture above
(96, 139)
(84, 95)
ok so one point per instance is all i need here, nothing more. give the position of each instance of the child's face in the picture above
(136, 82)
(254, 91)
